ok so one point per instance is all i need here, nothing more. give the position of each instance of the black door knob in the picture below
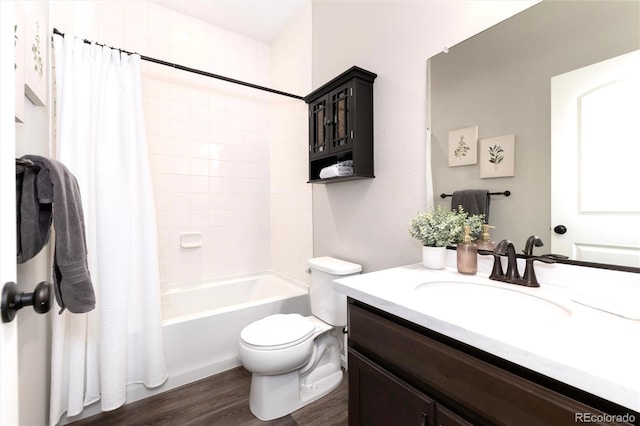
(560, 229)
(13, 300)
(41, 298)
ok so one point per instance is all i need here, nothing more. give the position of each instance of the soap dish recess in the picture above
(190, 240)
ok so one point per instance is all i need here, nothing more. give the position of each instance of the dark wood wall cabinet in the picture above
(403, 374)
(341, 125)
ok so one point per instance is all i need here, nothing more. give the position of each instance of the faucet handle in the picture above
(529, 279)
(501, 247)
(555, 256)
(497, 273)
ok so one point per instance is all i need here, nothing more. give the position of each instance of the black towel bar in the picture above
(505, 193)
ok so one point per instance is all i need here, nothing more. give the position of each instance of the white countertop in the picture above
(592, 350)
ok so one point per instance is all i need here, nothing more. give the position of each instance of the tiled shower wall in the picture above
(291, 224)
(209, 154)
(222, 156)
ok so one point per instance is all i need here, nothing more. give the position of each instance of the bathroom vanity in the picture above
(419, 353)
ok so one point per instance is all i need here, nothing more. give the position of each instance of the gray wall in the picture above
(500, 81)
(367, 221)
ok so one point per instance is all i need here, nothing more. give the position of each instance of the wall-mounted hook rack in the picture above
(13, 301)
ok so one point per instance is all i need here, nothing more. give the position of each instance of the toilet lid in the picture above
(278, 330)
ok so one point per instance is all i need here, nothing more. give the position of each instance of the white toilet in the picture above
(294, 359)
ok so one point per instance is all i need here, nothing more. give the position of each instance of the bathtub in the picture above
(202, 322)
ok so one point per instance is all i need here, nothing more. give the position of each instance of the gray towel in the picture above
(33, 218)
(57, 186)
(473, 201)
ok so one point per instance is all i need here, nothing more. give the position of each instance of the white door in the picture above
(8, 331)
(595, 162)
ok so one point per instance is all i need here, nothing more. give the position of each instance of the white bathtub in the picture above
(202, 322)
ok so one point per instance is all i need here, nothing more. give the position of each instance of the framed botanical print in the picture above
(463, 146)
(35, 53)
(497, 156)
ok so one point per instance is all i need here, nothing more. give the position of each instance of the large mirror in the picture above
(500, 81)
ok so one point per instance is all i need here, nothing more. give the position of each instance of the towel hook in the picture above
(13, 301)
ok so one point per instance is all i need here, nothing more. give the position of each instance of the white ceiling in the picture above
(259, 19)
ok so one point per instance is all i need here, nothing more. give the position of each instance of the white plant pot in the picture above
(434, 257)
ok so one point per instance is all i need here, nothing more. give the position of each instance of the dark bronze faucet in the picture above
(532, 241)
(529, 278)
(512, 276)
(506, 247)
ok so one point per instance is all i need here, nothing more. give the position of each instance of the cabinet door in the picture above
(342, 117)
(319, 119)
(377, 398)
(445, 417)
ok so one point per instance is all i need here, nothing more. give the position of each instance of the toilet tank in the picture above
(327, 304)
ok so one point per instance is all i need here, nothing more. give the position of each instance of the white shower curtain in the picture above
(100, 136)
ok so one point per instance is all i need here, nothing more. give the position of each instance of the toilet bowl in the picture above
(295, 360)
(279, 343)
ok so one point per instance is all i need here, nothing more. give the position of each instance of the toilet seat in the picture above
(277, 332)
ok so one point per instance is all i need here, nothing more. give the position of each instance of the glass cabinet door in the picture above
(341, 119)
(318, 120)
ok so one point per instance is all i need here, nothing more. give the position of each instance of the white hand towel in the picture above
(335, 170)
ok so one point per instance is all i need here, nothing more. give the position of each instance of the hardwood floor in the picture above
(223, 400)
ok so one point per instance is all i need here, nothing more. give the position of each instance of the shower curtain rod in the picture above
(195, 71)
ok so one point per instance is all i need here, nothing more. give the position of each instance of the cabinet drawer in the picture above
(495, 395)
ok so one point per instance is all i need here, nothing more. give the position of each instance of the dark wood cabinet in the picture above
(341, 125)
(377, 398)
(400, 370)
(445, 417)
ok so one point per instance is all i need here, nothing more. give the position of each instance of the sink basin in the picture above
(474, 306)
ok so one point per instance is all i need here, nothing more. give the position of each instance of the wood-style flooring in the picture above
(223, 400)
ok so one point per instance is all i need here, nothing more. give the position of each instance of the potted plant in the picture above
(440, 227)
